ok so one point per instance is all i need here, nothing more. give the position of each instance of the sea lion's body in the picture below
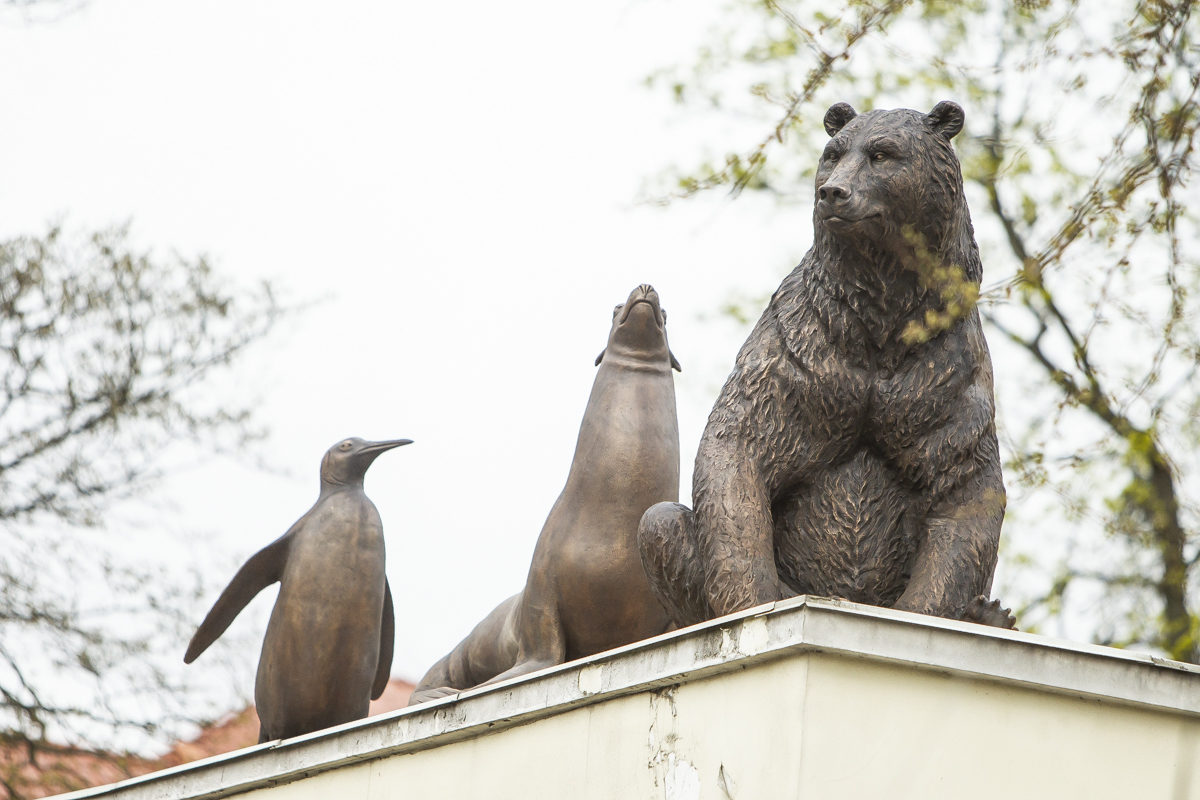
(587, 591)
(328, 648)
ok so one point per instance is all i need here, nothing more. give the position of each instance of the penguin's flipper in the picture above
(387, 642)
(264, 568)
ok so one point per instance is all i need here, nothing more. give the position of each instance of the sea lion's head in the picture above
(639, 330)
(346, 463)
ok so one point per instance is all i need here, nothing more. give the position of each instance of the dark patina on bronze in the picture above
(328, 648)
(844, 456)
(586, 591)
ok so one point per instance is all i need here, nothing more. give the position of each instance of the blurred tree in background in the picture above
(104, 352)
(38, 10)
(1079, 156)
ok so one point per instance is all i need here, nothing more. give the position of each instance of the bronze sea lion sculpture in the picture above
(586, 591)
(846, 457)
(328, 648)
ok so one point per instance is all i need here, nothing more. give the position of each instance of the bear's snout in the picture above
(839, 208)
(834, 192)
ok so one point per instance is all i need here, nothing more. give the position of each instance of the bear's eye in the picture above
(831, 156)
(879, 156)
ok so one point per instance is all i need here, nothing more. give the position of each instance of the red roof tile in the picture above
(55, 769)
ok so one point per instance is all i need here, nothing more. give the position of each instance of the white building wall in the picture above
(810, 726)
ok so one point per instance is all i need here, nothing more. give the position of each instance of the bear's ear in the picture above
(946, 118)
(837, 116)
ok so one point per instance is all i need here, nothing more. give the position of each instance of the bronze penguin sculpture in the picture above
(328, 648)
(587, 591)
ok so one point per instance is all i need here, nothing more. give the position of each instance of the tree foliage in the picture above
(37, 11)
(105, 358)
(1079, 153)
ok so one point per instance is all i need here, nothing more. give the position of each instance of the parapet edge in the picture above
(736, 641)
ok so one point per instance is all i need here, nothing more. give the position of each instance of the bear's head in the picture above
(889, 174)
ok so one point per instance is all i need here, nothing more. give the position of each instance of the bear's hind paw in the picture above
(981, 612)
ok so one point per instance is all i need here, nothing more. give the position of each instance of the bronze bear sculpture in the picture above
(844, 457)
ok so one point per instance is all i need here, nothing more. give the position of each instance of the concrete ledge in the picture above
(739, 642)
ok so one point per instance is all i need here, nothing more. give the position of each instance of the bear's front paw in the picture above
(981, 612)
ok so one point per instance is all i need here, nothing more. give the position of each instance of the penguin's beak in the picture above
(375, 448)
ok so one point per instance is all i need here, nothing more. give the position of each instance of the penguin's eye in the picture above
(617, 310)
(346, 445)
(664, 313)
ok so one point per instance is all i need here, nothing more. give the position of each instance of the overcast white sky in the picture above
(458, 180)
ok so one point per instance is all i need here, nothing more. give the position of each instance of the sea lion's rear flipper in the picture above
(264, 568)
(387, 641)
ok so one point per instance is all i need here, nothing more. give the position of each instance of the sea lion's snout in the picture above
(640, 328)
(644, 295)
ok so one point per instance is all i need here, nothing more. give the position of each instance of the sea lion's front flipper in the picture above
(264, 568)
(387, 641)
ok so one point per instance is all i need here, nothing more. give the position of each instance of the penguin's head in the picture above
(639, 330)
(346, 462)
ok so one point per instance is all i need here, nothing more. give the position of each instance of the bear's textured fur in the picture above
(845, 457)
